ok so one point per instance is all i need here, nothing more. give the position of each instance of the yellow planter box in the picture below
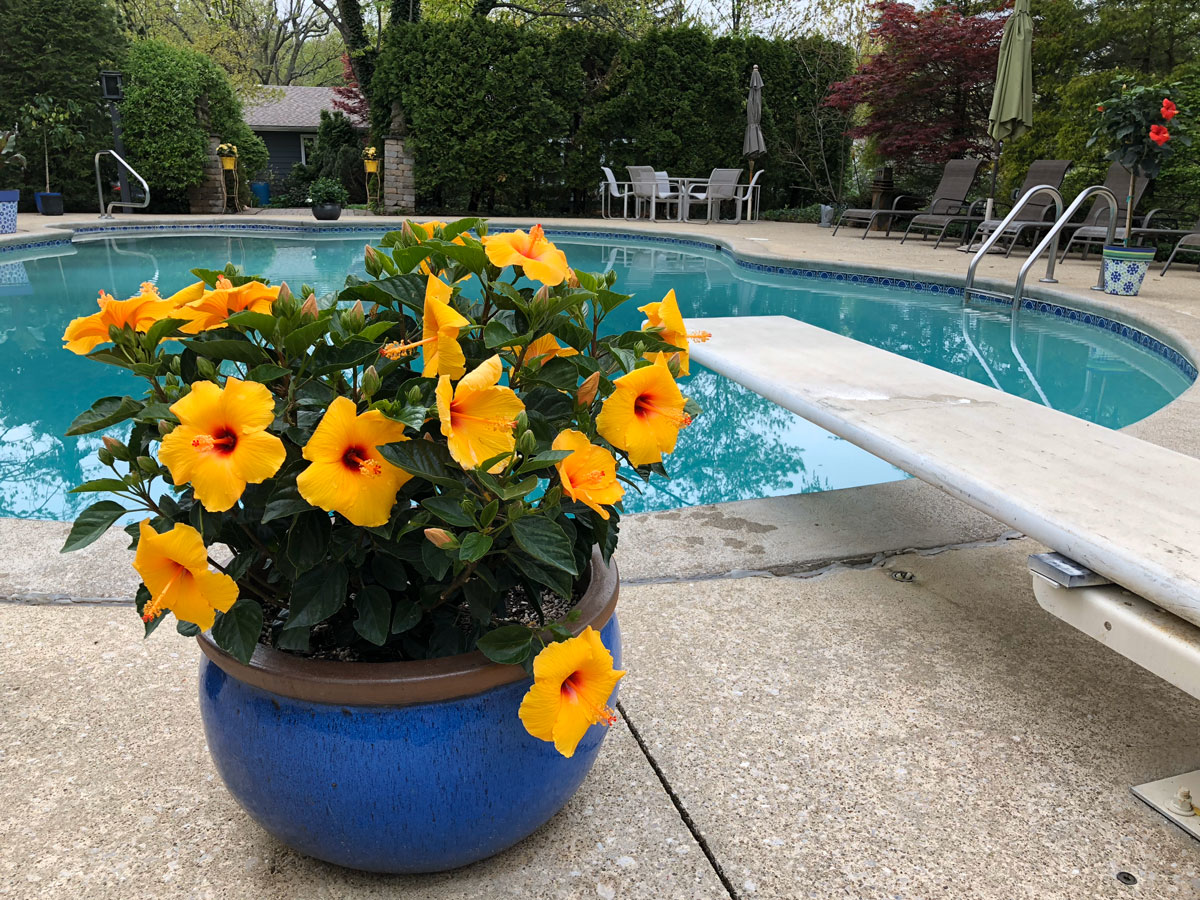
(228, 162)
(372, 165)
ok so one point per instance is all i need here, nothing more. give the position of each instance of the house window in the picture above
(307, 143)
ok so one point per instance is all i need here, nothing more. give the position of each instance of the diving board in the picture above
(1125, 508)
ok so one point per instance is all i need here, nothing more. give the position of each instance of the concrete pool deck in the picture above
(809, 725)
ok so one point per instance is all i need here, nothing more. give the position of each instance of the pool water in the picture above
(741, 447)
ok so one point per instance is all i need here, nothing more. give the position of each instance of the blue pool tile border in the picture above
(1040, 307)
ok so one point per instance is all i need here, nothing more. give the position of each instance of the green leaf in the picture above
(260, 322)
(160, 330)
(472, 255)
(104, 412)
(308, 540)
(99, 484)
(409, 258)
(304, 337)
(266, 373)
(497, 334)
(554, 579)
(448, 510)
(462, 226)
(317, 595)
(110, 357)
(543, 460)
(425, 459)
(92, 523)
(187, 629)
(285, 501)
(374, 606)
(237, 631)
(406, 616)
(545, 542)
(509, 645)
(474, 546)
(225, 349)
(435, 560)
(412, 416)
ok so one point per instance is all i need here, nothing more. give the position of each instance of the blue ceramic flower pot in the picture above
(392, 767)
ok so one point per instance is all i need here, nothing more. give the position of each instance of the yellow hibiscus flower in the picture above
(478, 417)
(644, 414)
(174, 568)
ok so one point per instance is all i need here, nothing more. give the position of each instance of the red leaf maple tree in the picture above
(350, 99)
(928, 88)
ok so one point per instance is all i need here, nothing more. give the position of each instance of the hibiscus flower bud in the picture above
(408, 237)
(106, 458)
(527, 443)
(355, 317)
(572, 278)
(542, 297)
(285, 292)
(147, 464)
(441, 538)
(371, 261)
(284, 304)
(165, 427)
(206, 368)
(310, 309)
(115, 447)
(371, 382)
(587, 391)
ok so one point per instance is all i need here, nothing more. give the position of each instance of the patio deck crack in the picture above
(684, 815)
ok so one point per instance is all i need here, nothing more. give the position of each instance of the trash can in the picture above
(261, 191)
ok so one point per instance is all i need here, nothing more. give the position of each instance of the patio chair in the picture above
(722, 185)
(611, 189)
(1035, 216)
(668, 191)
(1094, 229)
(748, 195)
(949, 199)
(1189, 243)
(646, 188)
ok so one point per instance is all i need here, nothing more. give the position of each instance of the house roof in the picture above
(289, 108)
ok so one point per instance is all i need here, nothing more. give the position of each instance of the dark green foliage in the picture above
(174, 99)
(508, 119)
(337, 154)
(57, 48)
(328, 190)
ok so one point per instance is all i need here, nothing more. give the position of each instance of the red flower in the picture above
(1168, 110)
(1159, 135)
(1099, 109)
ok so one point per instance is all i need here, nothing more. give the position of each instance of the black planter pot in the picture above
(50, 204)
(327, 212)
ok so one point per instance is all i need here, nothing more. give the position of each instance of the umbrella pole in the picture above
(995, 170)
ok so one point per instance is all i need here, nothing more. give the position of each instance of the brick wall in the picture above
(205, 197)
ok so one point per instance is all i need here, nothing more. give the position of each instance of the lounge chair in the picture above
(1094, 230)
(1036, 215)
(611, 189)
(949, 199)
(1189, 243)
(722, 185)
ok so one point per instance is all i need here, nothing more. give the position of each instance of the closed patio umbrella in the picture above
(1012, 97)
(754, 146)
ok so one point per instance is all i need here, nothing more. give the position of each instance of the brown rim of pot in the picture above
(401, 683)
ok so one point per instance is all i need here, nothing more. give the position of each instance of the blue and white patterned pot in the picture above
(392, 767)
(1125, 269)
(8, 211)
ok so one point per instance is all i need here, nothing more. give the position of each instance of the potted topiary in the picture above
(327, 197)
(390, 525)
(52, 122)
(10, 159)
(1137, 124)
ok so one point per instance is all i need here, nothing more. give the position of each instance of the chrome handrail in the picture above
(107, 214)
(997, 232)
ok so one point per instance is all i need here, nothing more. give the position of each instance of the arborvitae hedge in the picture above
(170, 92)
(505, 119)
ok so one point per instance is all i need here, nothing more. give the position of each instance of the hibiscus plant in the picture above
(406, 469)
(1136, 124)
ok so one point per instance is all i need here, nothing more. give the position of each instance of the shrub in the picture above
(174, 99)
(328, 190)
(806, 214)
(521, 121)
(337, 154)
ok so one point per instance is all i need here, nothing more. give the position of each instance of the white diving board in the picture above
(1125, 508)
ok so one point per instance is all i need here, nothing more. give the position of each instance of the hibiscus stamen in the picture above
(223, 441)
(149, 287)
(644, 405)
(396, 349)
(157, 606)
(223, 284)
(700, 337)
(457, 419)
(358, 460)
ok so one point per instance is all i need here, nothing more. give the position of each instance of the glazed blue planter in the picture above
(392, 787)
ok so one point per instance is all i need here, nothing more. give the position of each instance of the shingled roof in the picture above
(294, 108)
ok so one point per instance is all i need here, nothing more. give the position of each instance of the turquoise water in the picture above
(742, 447)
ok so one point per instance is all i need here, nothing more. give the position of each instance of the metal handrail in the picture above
(991, 239)
(107, 214)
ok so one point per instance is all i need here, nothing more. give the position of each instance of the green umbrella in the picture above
(1012, 98)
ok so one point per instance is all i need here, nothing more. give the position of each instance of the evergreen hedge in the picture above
(174, 98)
(507, 119)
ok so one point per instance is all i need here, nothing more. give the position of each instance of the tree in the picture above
(362, 42)
(350, 98)
(928, 88)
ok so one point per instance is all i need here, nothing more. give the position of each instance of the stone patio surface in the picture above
(797, 723)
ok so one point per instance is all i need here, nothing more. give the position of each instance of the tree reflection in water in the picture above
(741, 447)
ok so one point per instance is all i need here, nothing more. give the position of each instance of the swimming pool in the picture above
(742, 447)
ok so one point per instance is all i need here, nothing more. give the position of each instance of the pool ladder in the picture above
(107, 213)
(1049, 241)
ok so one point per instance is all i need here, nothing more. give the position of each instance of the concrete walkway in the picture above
(818, 726)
